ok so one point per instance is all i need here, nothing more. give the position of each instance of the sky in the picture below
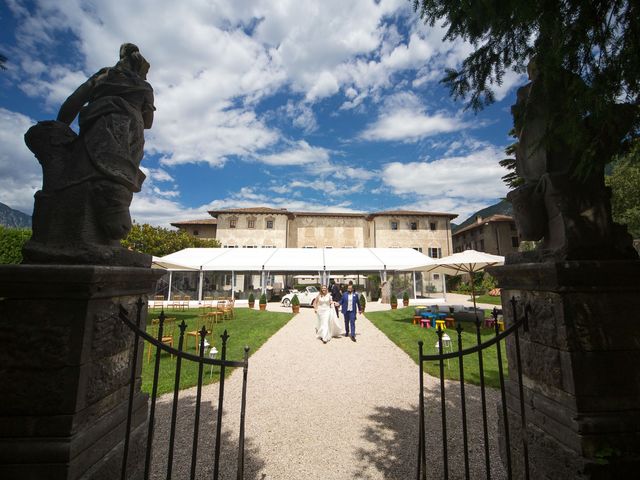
(310, 106)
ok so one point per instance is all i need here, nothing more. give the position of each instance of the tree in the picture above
(585, 50)
(3, 60)
(11, 243)
(625, 190)
(161, 241)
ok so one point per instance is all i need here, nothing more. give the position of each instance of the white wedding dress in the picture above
(327, 323)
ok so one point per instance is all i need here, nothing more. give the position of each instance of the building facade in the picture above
(428, 232)
(496, 234)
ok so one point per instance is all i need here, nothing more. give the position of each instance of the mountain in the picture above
(13, 218)
(503, 207)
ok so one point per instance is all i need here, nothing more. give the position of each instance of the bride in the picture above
(327, 324)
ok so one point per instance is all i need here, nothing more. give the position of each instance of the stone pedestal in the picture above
(64, 371)
(581, 367)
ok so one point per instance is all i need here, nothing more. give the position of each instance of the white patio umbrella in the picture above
(469, 261)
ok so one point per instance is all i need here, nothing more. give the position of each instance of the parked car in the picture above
(305, 296)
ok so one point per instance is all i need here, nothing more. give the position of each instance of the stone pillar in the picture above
(581, 367)
(65, 364)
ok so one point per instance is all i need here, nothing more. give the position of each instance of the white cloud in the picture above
(404, 118)
(301, 153)
(474, 176)
(20, 172)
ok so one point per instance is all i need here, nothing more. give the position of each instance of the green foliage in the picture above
(625, 190)
(251, 298)
(11, 243)
(295, 300)
(488, 283)
(161, 241)
(243, 330)
(263, 299)
(398, 326)
(585, 51)
(3, 60)
(394, 299)
(362, 301)
(373, 286)
(405, 296)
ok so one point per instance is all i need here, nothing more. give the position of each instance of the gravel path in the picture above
(342, 410)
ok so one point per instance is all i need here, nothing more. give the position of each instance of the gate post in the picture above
(580, 364)
(65, 370)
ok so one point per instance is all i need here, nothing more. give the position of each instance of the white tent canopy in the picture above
(296, 259)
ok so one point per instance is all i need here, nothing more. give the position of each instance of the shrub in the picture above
(252, 298)
(11, 242)
(405, 296)
(394, 299)
(263, 299)
(363, 301)
(295, 300)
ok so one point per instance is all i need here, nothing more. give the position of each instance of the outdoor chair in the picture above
(175, 302)
(157, 302)
(168, 332)
(207, 304)
(208, 325)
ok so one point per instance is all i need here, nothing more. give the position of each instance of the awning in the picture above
(297, 259)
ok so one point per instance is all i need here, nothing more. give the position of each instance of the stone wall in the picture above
(423, 237)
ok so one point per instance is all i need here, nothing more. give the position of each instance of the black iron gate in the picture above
(512, 334)
(180, 356)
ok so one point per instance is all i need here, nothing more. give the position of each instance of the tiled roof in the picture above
(204, 221)
(492, 218)
(412, 213)
(331, 214)
(282, 211)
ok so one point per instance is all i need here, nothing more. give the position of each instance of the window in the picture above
(513, 227)
(419, 249)
(196, 232)
(482, 245)
(233, 222)
(436, 276)
(270, 224)
(433, 226)
(251, 223)
(328, 246)
(435, 252)
(394, 225)
(413, 225)
(515, 242)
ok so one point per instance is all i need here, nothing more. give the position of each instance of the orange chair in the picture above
(168, 332)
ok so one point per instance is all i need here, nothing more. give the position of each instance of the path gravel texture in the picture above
(343, 410)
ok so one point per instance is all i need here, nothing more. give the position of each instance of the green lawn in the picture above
(399, 327)
(487, 299)
(249, 327)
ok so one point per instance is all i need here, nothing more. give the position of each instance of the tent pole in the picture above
(473, 294)
(415, 293)
(200, 282)
(444, 287)
(170, 282)
(233, 285)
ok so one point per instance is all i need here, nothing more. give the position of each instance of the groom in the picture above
(350, 303)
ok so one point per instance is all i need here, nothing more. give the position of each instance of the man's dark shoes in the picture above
(353, 339)
(346, 334)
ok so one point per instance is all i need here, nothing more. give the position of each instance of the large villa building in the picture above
(427, 232)
(496, 234)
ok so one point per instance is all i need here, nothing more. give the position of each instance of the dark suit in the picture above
(350, 315)
(336, 295)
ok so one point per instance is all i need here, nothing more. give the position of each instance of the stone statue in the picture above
(82, 211)
(571, 215)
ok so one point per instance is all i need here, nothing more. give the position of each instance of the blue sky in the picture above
(319, 105)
